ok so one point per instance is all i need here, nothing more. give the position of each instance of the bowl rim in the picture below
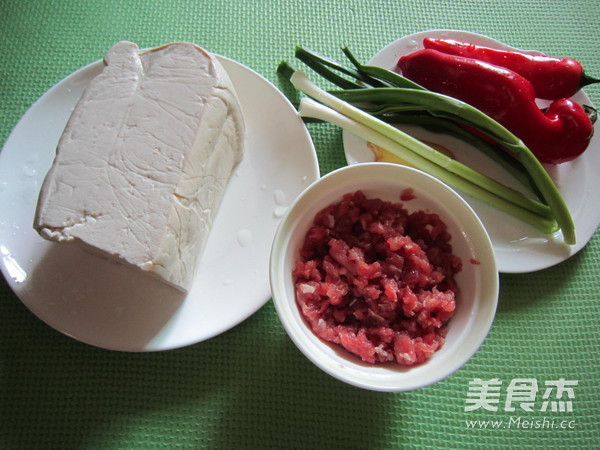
(484, 309)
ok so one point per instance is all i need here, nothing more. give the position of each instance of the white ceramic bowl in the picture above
(478, 283)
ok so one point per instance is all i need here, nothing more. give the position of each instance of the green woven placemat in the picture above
(250, 387)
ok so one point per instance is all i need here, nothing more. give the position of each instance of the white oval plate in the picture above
(108, 305)
(519, 247)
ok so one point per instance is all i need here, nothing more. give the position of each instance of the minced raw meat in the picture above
(378, 280)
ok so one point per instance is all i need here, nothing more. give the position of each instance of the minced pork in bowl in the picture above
(384, 277)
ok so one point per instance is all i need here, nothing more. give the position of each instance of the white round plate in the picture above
(108, 305)
(519, 247)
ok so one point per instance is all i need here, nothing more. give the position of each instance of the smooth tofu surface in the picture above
(144, 160)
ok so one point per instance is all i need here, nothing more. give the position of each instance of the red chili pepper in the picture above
(559, 134)
(552, 78)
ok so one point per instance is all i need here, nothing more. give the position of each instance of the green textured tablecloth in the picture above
(250, 387)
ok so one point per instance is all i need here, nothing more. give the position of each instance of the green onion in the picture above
(449, 127)
(434, 103)
(426, 120)
(313, 109)
(404, 95)
(320, 65)
(379, 73)
(302, 83)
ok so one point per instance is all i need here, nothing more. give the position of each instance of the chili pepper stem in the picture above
(586, 80)
(591, 112)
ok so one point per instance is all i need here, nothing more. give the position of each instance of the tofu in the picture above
(143, 162)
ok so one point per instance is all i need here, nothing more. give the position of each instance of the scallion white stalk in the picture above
(415, 149)
(315, 110)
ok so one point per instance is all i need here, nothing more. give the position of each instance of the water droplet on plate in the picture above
(244, 237)
(29, 172)
(413, 44)
(279, 196)
(279, 211)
